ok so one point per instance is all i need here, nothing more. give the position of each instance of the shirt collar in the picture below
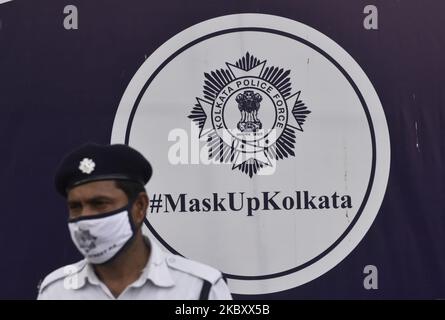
(156, 270)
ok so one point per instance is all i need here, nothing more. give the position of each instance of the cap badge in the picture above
(87, 165)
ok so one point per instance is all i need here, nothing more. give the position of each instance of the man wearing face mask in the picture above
(107, 201)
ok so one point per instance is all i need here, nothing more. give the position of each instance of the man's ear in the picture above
(140, 208)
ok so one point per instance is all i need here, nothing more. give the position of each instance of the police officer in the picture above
(104, 188)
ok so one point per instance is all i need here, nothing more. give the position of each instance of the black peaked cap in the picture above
(94, 162)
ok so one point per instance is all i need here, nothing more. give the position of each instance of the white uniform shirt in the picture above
(166, 277)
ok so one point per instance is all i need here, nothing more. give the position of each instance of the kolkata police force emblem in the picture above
(85, 240)
(246, 88)
(270, 147)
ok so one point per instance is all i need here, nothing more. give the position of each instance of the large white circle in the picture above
(343, 149)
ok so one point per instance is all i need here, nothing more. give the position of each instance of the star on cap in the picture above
(87, 165)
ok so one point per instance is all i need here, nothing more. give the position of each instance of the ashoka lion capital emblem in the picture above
(249, 114)
(248, 105)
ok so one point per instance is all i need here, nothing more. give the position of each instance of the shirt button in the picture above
(171, 260)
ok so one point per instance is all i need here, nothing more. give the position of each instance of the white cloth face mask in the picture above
(101, 237)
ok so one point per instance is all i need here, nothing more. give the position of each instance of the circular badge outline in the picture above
(353, 85)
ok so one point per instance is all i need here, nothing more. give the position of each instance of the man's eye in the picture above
(73, 206)
(99, 203)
